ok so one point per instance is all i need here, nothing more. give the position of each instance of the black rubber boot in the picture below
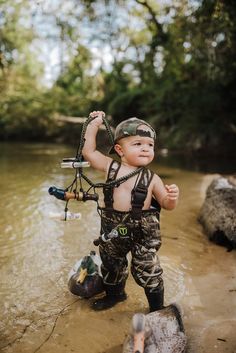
(114, 294)
(155, 299)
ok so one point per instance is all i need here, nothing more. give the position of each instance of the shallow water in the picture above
(39, 314)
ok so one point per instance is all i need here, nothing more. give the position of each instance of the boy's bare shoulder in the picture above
(157, 184)
(156, 179)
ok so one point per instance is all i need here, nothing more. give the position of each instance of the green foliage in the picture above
(74, 87)
(13, 36)
(173, 65)
(24, 109)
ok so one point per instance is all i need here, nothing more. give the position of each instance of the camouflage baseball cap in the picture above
(130, 127)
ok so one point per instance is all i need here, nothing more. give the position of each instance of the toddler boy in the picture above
(132, 208)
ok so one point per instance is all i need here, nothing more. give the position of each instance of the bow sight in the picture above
(74, 163)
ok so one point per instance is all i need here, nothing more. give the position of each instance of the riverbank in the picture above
(38, 312)
(204, 161)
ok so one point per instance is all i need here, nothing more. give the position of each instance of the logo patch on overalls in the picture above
(123, 230)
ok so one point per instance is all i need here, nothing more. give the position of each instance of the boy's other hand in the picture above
(172, 192)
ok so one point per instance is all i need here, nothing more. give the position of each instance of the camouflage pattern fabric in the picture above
(141, 238)
(130, 127)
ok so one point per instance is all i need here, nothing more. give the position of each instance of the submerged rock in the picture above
(218, 213)
(158, 332)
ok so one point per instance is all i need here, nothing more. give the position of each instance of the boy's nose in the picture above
(145, 148)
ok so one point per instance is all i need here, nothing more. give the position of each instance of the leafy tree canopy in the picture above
(171, 63)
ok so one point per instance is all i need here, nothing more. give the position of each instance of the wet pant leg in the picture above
(145, 265)
(114, 264)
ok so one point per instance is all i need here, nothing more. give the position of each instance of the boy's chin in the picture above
(142, 164)
(144, 161)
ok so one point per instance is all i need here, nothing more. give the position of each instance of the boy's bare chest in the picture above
(130, 183)
(126, 187)
(123, 193)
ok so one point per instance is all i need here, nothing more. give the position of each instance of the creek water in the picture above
(39, 314)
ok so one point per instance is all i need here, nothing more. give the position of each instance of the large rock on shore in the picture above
(218, 213)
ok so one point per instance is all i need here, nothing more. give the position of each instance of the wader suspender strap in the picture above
(139, 193)
(108, 191)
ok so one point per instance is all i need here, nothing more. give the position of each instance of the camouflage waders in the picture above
(138, 233)
(141, 238)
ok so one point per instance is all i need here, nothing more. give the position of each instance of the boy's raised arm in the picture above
(90, 153)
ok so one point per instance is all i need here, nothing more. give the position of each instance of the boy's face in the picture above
(136, 151)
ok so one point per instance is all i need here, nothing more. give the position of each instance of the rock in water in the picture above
(218, 213)
(164, 332)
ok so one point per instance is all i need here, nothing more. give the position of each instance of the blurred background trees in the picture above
(172, 63)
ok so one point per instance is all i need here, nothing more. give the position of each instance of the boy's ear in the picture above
(118, 149)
